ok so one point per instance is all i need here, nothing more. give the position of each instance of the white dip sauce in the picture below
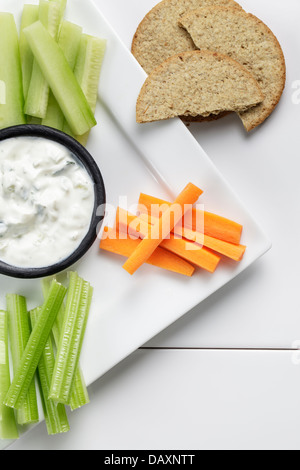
(46, 202)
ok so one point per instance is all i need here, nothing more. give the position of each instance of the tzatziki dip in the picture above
(46, 202)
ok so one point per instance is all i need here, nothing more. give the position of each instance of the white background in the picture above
(228, 378)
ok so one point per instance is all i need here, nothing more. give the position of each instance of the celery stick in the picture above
(68, 39)
(38, 92)
(11, 88)
(46, 284)
(88, 66)
(51, 16)
(19, 332)
(87, 72)
(78, 303)
(54, 116)
(35, 346)
(62, 5)
(61, 79)
(33, 120)
(55, 413)
(79, 393)
(8, 425)
(30, 15)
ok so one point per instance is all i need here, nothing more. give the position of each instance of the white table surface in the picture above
(187, 400)
(230, 379)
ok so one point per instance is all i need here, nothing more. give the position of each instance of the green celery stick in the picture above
(88, 66)
(33, 120)
(87, 72)
(38, 92)
(11, 87)
(46, 284)
(45, 15)
(77, 308)
(79, 393)
(61, 79)
(30, 15)
(35, 346)
(69, 40)
(8, 425)
(62, 5)
(55, 413)
(19, 332)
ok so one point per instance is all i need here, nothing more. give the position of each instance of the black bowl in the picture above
(100, 199)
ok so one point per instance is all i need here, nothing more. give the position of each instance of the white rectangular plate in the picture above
(159, 159)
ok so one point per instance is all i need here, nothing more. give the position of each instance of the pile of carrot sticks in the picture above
(169, 235)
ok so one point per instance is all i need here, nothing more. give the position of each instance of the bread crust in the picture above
(264, 59)
(167, 88)
(210, 118)
(158, 36)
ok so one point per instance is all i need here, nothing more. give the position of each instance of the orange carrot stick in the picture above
(131, 225)
(214, 225)
(230, 250)
(200, 257)
(172, 215)
(135, 227)
(160, 258)
(178, 230)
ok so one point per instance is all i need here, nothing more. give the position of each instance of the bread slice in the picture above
(196, 83)
(249, 41)
(159, 36)
(209, 118)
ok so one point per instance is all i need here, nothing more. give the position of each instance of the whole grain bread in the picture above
(211, 117)
(249, 41)
(159, 36)
(196, 83)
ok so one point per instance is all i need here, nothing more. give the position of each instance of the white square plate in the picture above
(159, 159)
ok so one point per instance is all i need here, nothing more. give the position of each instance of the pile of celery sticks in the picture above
(43, 346)
(49, 70)
(49, 75)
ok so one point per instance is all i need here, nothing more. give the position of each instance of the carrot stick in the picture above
(214, 225)
(230, 250)
(160, 258)
(178, 230)
(135, 227)
(131, 225)
(170, 217)
(200, 257)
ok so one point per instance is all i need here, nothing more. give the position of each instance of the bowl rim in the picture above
(86, 159)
